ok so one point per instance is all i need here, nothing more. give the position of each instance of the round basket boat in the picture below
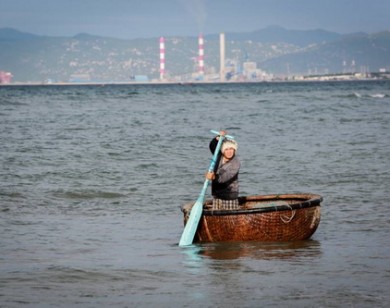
(282, 218)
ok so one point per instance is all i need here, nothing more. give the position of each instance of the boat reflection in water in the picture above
(259, 250)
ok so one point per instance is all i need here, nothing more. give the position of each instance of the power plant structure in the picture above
(200, 59)
(201, 56)
(222, 57)
(229, 69)
(162, 58)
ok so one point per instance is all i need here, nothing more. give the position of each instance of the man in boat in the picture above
(224, 186)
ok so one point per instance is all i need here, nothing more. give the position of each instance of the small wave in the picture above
(132, 93)
(377, 95)
(63, 274)
(349, 95)
(88, 195)
(359, 95)
(12, 194)
(6, 102)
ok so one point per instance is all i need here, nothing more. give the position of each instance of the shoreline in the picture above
(188, 83)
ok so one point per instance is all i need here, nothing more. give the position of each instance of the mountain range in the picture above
(275, 50)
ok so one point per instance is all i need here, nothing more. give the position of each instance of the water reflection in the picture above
(256, 250)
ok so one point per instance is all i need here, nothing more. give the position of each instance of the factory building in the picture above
(5, 77)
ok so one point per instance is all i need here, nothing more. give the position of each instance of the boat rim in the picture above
(308, 200)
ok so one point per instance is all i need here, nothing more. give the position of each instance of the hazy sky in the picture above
(153, 18)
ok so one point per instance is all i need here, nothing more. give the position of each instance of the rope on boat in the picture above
(285, 219)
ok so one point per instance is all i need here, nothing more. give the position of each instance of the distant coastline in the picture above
(266, 55)
(317, 78)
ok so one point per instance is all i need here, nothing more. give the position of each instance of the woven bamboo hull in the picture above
(282, 218)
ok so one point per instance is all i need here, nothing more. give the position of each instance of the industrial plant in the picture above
(229, 69)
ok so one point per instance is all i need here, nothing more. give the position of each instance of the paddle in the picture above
(196, 211)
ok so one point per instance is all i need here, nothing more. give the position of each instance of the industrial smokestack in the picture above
(222, 56)
(162, 58)
(201, 55)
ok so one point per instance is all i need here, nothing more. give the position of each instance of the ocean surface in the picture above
(92, 179)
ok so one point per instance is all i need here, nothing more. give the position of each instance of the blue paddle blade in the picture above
(191, 226)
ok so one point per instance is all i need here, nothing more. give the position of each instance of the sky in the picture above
(130, 19)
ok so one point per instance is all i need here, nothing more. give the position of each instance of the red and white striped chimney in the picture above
(162, 58)
(201, 54)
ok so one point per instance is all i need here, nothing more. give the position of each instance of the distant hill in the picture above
(276, 50)
(276, 34)
(357, 52)
(9, 34)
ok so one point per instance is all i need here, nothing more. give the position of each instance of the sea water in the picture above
(92, 179)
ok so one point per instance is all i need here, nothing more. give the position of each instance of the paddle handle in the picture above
(216, 153)
(217, 133)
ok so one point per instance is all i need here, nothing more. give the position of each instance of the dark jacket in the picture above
(225, 185)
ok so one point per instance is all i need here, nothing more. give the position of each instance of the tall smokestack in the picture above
(201, 55)
(222, 56)
(162, 58)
